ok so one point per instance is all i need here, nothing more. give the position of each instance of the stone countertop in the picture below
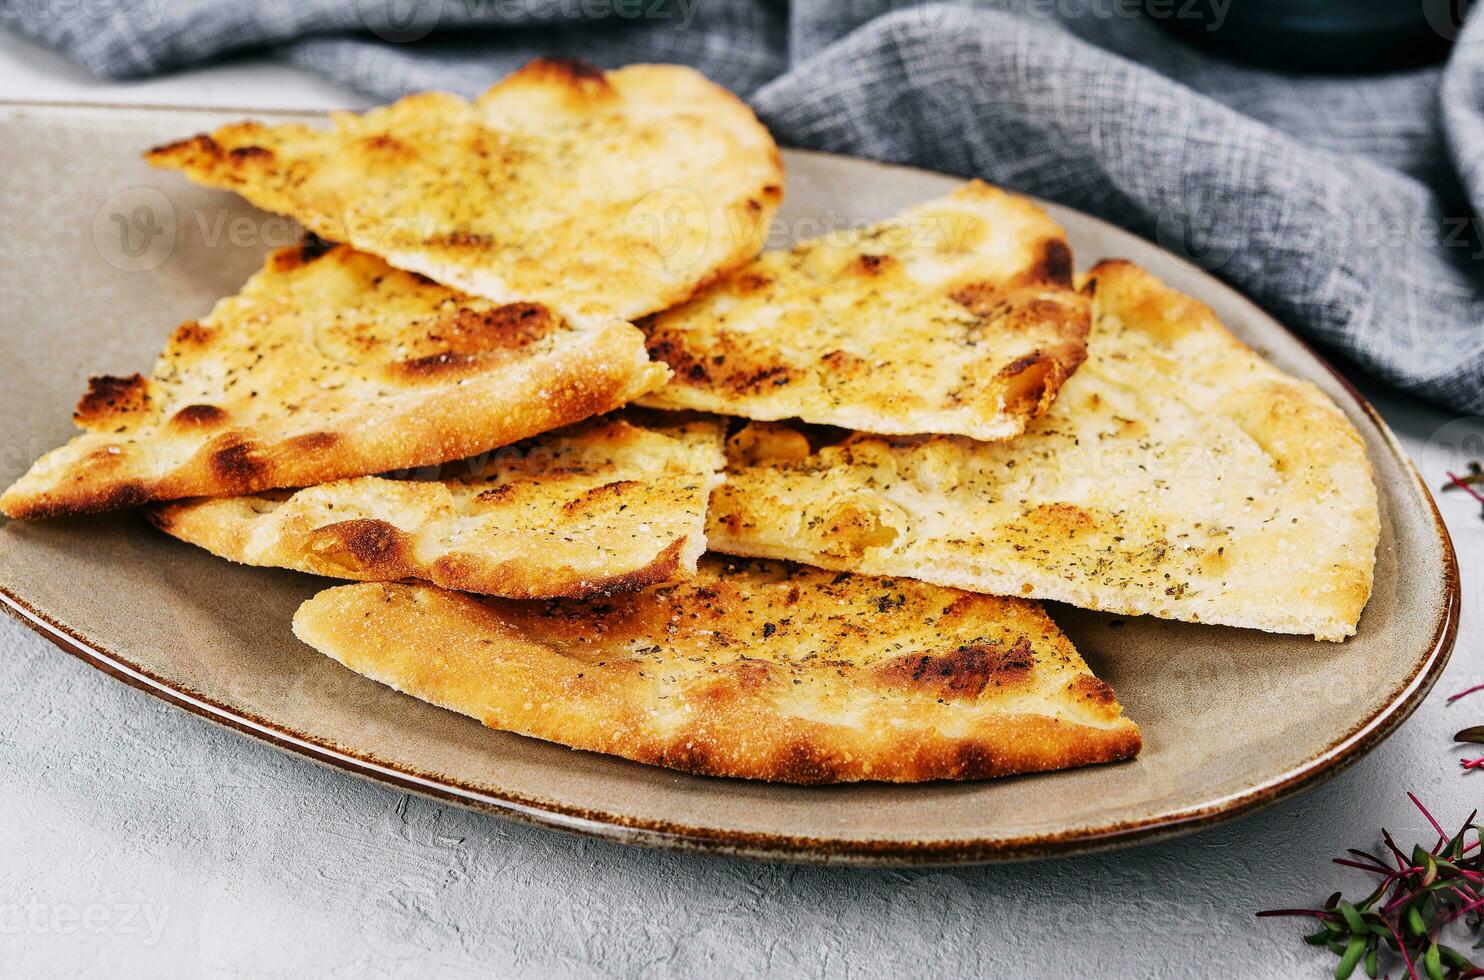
(144, 841)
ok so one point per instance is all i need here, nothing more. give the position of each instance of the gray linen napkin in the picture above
(1345, 206)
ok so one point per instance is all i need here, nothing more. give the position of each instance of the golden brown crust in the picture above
(601, 507)
(329, 364)
(1177, 475)
(957, 316)
(755, 670)
(590, 192)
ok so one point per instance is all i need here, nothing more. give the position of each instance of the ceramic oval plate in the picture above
(105, 256)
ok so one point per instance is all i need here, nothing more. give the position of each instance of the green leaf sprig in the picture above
(1413, 903)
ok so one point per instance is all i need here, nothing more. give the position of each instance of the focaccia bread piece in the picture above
(957, 316)
(615, 192)
(758, 670)
(601, 507)
(329, 363)
(1178, 475)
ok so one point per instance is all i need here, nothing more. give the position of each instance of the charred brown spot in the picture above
(752, 382)
(598, 495)
(130, 493)
(1092, 689)
(464, 338)
(687, 753)
(672, 351)
(461, 239)
(313, 246)
(383, 143)
(962, 673)
(974, 759)
(806, 763)
(192, 333)
(1053, 266)
(609, 612)
(109, 396)
(979, 298)
(574, 71)
(751, 282)
(871, 265)
(496, 494)
(309, 250)
(842, 362)
(313, 442)
(511, 325)
(241, 154)
(235, 461)
(200, 143)
(365, 546)
(435, 365)
(198, 417)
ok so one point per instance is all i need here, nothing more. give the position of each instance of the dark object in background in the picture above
(1332, 36)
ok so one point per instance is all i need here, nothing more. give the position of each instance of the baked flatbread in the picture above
(757, 670)
(601, 507)
(615, 192)
(329, 364)
(957, 316)
(1178, 475)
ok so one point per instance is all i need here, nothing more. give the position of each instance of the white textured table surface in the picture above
(142, 841)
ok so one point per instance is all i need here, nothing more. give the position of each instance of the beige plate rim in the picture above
(1364, 736)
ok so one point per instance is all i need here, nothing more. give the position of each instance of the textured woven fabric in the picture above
(1345, 206)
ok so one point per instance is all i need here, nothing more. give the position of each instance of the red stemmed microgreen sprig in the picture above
(1467, 483)
(1413, 903)
(1474, 734)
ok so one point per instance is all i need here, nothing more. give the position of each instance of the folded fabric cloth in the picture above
(1345, 206)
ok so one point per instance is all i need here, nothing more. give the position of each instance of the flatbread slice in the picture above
(957, 316)
(1178, 475)
(588, 191)
(329, 364)
(600, 507)
(757, 670)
